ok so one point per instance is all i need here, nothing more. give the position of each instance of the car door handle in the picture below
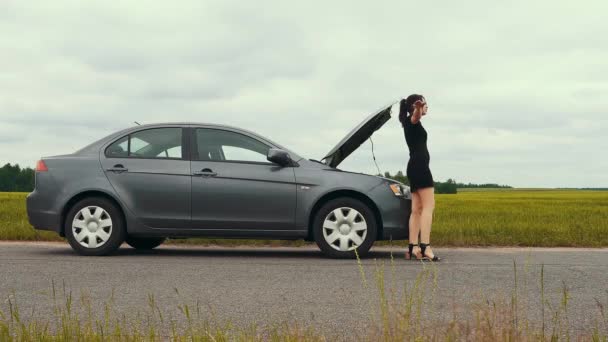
(118, 168)
(205, 173)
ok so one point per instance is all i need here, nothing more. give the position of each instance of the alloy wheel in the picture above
(92, 226)
(344, 229)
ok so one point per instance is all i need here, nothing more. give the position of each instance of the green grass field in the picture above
(522, 218)
(507, 217)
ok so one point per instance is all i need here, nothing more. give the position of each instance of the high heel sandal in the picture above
(410, 251)
(423, 247)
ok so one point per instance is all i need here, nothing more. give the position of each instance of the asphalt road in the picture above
(267, 286)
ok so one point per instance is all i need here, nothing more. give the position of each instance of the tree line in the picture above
(14, 178)
(448, 187)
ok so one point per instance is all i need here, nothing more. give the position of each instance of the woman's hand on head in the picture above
(418, 111)
(418, 106)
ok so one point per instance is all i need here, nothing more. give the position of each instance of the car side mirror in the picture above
(278, 156)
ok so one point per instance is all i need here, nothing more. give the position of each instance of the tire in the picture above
(94, 218)
(143, 243)
(338, 221)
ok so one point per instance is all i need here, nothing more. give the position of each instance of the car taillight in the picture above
(41, 166)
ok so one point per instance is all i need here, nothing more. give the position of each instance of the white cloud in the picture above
(517, 90)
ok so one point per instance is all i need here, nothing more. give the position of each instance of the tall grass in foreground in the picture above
(575, 218)
(394, 318)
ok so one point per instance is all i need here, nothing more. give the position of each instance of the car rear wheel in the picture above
(94, 226)
(144, 243)
(344, 225)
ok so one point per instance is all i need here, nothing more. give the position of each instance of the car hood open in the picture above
(356, 137)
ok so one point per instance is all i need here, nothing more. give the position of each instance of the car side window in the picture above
(150, 143)
(174, 152)
(119, 149)
(220, 145)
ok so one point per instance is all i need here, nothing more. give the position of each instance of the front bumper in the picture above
(396, 220)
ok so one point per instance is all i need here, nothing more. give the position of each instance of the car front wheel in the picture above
(94, 226)
(344, 225)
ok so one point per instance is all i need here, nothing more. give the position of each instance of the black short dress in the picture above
(418, 171)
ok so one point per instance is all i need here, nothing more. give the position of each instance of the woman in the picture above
(420, 177)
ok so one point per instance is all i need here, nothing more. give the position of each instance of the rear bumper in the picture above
(39, 217)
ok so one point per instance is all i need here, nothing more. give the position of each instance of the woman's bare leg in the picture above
(427, 198)
(415, 218)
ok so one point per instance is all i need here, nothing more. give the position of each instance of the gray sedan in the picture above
(178, 180)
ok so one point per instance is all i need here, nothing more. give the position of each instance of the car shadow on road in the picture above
(236, 252)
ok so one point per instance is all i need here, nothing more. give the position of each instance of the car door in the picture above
(235, 188)
(150, 171)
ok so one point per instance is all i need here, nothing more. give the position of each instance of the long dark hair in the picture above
(405, 106)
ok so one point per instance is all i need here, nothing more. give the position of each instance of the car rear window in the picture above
(152, 143)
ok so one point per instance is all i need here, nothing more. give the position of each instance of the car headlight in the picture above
(396, 188)
(400, 190)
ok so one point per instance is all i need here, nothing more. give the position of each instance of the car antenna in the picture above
(138, 124)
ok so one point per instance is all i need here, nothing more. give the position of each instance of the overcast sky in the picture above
(517, 90)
